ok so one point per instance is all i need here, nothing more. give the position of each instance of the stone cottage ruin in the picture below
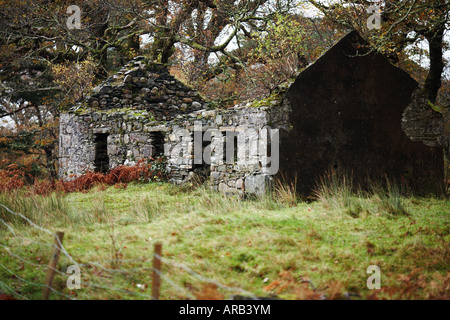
(342, 113)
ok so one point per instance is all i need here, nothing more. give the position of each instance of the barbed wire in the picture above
(63, 250)
(178, 265)
(94, 285)
(33, 283)
(32, 263)
(96, 264)
(204, 279)
(13, 291)
(173, 284)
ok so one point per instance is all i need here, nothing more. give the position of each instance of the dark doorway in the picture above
(202, 170)
(101, 162)
(157, 141)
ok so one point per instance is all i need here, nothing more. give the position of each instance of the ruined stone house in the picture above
(342, 113)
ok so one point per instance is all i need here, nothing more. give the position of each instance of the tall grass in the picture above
(389, 198)
(48, 210)
(338, 194)
(286, 193)
(58, 210)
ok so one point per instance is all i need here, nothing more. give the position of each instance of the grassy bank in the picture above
(272, 246)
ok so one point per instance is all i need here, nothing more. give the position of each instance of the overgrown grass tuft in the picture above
(285, 193)
(390, 199)
(48, 210)
(338, 194)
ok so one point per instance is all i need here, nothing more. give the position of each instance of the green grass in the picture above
(270, 246)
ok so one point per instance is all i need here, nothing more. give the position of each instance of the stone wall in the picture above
(142, 108)
(244, 122)
(420, 122)
(130, 139)
(346, 117)
(144, 85)
(343, 113)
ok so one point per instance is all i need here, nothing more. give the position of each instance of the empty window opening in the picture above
(101, 162)
(230, 152)
(201, 155)
(202, 170)
(157, 142)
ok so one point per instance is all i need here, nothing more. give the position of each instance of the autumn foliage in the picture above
(12, 178)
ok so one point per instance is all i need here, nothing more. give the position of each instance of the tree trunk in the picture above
(134, 43)
(433, 80)
(162, 33)
(50, 164)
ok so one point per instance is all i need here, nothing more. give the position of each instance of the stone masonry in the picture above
(342, 113)
(140, 111)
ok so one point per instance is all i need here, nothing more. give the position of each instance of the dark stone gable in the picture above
(346, 113)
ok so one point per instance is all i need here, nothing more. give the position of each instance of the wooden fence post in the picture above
(156, 282)
(52, 264)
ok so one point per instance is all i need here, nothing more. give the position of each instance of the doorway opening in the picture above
(101, 162)
(157, 141)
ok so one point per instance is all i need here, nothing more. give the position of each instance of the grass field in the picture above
(275, 246)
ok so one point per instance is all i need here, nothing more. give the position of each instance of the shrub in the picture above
(13, 178)
(389, 198)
